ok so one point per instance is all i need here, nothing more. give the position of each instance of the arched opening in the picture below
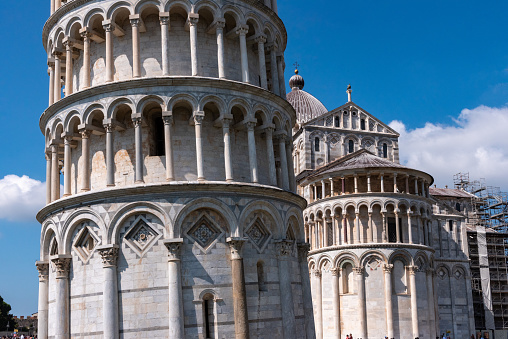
(362, 124)
(351, 146)
(385, 150)
(153, 115)
(347, 278)
(399, 277)
(337, 121)
(316, 144)
(208, 316)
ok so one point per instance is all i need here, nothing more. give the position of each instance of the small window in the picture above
(157, 127)
(354, 114)
(450, 225)
(337, 121)
(261, 277)
(345, 113)
(457, 207)
(316, 144)
(362, 124)
(385, 150)
(351, 146)
(208, 317)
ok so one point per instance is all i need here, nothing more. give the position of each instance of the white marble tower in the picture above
(168, 127)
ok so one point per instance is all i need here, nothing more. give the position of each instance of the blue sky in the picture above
(435, 70)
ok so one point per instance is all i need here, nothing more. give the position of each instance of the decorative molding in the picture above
(174, 247)
(372, 246)
(109, 255)
(43, 268)
(387, 268)
(284, 248)
(62, 265)
(235, 246)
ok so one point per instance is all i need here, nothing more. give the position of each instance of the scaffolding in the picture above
(488, 251)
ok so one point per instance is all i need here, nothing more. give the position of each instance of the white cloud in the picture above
(21, 198)
(475, 142)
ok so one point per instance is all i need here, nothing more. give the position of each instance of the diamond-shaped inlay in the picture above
(204, 232)
(85, 243)
(141, 236)
(258, 234)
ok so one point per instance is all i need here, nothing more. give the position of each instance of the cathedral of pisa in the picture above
(198, 202)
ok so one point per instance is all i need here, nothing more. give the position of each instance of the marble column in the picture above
(164, 22)
(336, 301)
(261, 40)
(414, 303)
(198, 118)
(138, 145)
(193, 26)
(370, 237)
(85, 153)
(175, 312)
(397, 227)
(239, 291)
(228, 164)
(324, 222)
(334, 230)
(167, 117)
(303, 250)
(430, 300)
(57, 90)
(110, 60)
(52, 6)
(323, 189)
(273, 69)
(253, 162)
(110, 155)
(416, 186)
(369, 188)
(42, 316)
(409, 227)
(291, 166)
(271, 158)
(357, 226)
(362, 311)
(332, 189)
(55, 174)
(242, 31)
(387, 269)
(395, 189)
(407, 184)
(68, 66)
(86, 35)
(62, 265)
(385, 230)
(48, 177)
(58, 4)
(109, 255)
(356, 183)
(318, 304)
(280, 70)
(136, 62)
(382, 183)
(67, 165)
(283, 161)
(284, 251)
(51, 73)
(220, 47)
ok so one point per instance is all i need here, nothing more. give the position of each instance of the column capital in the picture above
(220, 24)
(235, 246)
(68, 43)
(358, 270)
(242, 29)
(43, 268)
(303, 250)
(387, 268)
(316, 272)
(260, 39)
(85, 134)
(164, 18)
(62, 264)
(251, 124)
(336, 271)
(284, 248)
(412, 269)
(431, 271)
(108, 26)
(167, 117)
(135, 22)
(136, 120)
(85, 33)
(109, 254)
(174, 246)
(198, 117)
(193, 19)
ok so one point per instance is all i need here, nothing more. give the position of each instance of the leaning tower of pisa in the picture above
(168, 129)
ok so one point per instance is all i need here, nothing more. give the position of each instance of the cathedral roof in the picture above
(307, 107)
(449, 192)
(362, 159)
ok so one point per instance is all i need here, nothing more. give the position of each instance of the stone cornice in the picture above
(372, 246)
(169, 81)
(373, 195)
(156, 191)
(53, 19)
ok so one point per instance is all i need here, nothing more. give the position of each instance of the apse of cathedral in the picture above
(386, 259)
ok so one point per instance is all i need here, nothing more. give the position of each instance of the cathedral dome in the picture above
(307, 107)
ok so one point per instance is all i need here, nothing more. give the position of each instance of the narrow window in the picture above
(316, 144)
(158, 137)
(351, 146)
(450, 225)
(385, 150)
(206, 306)
(347, 279)
(261, 277)
(457, 207)
(53, 248)
(362, 124)
(337, 121)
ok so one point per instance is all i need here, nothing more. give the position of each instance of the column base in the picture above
(83, 190)
(139, 182)
(230, 180)
(170, 179)
(110, 185)
(201, 179)
(66, 195)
